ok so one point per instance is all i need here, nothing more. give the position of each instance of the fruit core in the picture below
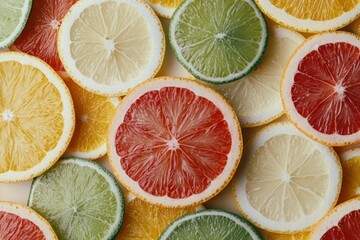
(8, 115)
(55, 24)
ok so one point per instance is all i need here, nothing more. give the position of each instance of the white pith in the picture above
(199, 90)
(67, 113)
(254, 215)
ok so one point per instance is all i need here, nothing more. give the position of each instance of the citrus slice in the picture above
(80, 199)
(13, 17)
(321, 88)
(210, 224)
(219, 41)
(311, 15)
(174, 142)
(36, 117)
(146, 221)
(277, 236)
(256, 98)
(93, 117)
(287, 182)
(110, 46)
(350, 161)
(164, 8)
(39, 37)
(341, 223)
(21, 222)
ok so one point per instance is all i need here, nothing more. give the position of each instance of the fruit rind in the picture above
(114, 187)
(230, 77)
(200, 90)
(239, 182)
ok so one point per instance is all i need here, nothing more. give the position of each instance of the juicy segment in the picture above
(15, 227)
(351, 179)
(31, 120)
(318, 10)
(173, 143)
(108, 45)
(333, 105)
(347, 228)
(39, 37)
(281, 177)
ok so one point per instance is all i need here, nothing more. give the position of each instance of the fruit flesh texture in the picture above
(13, 227)
(173, 143)
(39, 37)
(167, 3)
(319, 10)
(351, 179)
(347, 228)
(31, 122)
(326, 88)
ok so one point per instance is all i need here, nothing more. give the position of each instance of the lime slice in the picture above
(13, 17)
(256, 98)
(210, 224)
(80, 199)
(220, 41)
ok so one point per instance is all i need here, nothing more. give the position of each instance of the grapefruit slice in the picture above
(321, 88)
(110, 46)
(21, 222)
(39, 37)
(311, 15)
(286, 182)
(37, 117)
(174, 142)
(342, 223)
(350, 162)
(164, 8)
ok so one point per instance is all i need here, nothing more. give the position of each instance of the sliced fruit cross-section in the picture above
(21, 222)
(174, 142)
(321, 88)
(36, 117)
(110, 46)
(80, 199)
(287, 182)
(164, 8)
(218, 41)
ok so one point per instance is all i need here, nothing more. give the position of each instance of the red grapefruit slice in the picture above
(321, 88)
(174, 142)
(342, 223)
(21, 222)
(39, 37)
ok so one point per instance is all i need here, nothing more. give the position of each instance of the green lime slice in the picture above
(210, 224)
(13, 17)
(218, 41)
(80, 199)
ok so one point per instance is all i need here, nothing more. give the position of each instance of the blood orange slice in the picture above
(21, 222)
(174, 142)
(342, 223)
(321, 88)
(39, 37)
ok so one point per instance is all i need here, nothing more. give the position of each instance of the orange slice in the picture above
(164, 8)
(93, 116)
(36, 117)
(311, 15)
(321, 88)
(174, 142)
(21, 222)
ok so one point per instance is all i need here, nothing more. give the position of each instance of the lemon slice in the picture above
(287, 182)
(36, 117)
(256, 97)
(110, 46)
(93, 115)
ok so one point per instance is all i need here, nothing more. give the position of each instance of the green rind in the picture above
(243, 74)
(100, 168)
(21, 24)
(241, 219)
